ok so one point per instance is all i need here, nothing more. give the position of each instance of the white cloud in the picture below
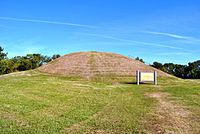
(133, 41)
(176, 36)
(48, 22)
(174, 53)
(168, 34)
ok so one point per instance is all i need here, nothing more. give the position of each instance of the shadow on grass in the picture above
(131, 83)
(135, 83)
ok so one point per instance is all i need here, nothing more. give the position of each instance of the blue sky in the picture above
(155, 30)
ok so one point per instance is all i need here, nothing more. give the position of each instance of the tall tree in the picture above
(3, 55)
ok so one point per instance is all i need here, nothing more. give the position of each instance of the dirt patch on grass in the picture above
(15, 119)
(23, 73)
(75, 128)
(170, 117)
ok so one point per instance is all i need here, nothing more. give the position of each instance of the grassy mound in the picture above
(96, 64)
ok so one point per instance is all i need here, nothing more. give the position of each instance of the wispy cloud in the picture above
(176, 36)
(48, 22)
(169, 35)
(133, 41)
(174, 53)
(102, 35)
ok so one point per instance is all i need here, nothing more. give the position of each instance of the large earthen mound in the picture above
(90, 64)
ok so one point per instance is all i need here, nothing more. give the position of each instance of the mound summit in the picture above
(91, 64)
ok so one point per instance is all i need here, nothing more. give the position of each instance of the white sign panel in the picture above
(146, 77)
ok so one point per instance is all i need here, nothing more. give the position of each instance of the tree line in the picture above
(22, 63)
(32, 61)
(190, 71)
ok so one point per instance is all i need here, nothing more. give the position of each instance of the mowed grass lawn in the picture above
(31, 102)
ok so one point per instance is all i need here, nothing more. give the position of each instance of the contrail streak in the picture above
(176, 36)
(98, 35)
(174, 53)
(168, 34)
(48, 22)
(133, 41)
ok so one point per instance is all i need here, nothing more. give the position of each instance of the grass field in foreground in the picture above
(32, 102)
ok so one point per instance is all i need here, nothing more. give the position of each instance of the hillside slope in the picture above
(89, 64)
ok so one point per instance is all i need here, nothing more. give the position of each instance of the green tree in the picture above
(157, 65)
(46, 59)
(36, 60)
(179, 70)
(55, 56)
(4, 65)
(169, 68)
(24, 64)
(3, 55)
(193, 69)
(141, 60)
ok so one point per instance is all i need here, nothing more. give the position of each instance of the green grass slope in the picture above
(33, 102)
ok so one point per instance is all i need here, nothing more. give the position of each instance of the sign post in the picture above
(138, 77)
(155, 78)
